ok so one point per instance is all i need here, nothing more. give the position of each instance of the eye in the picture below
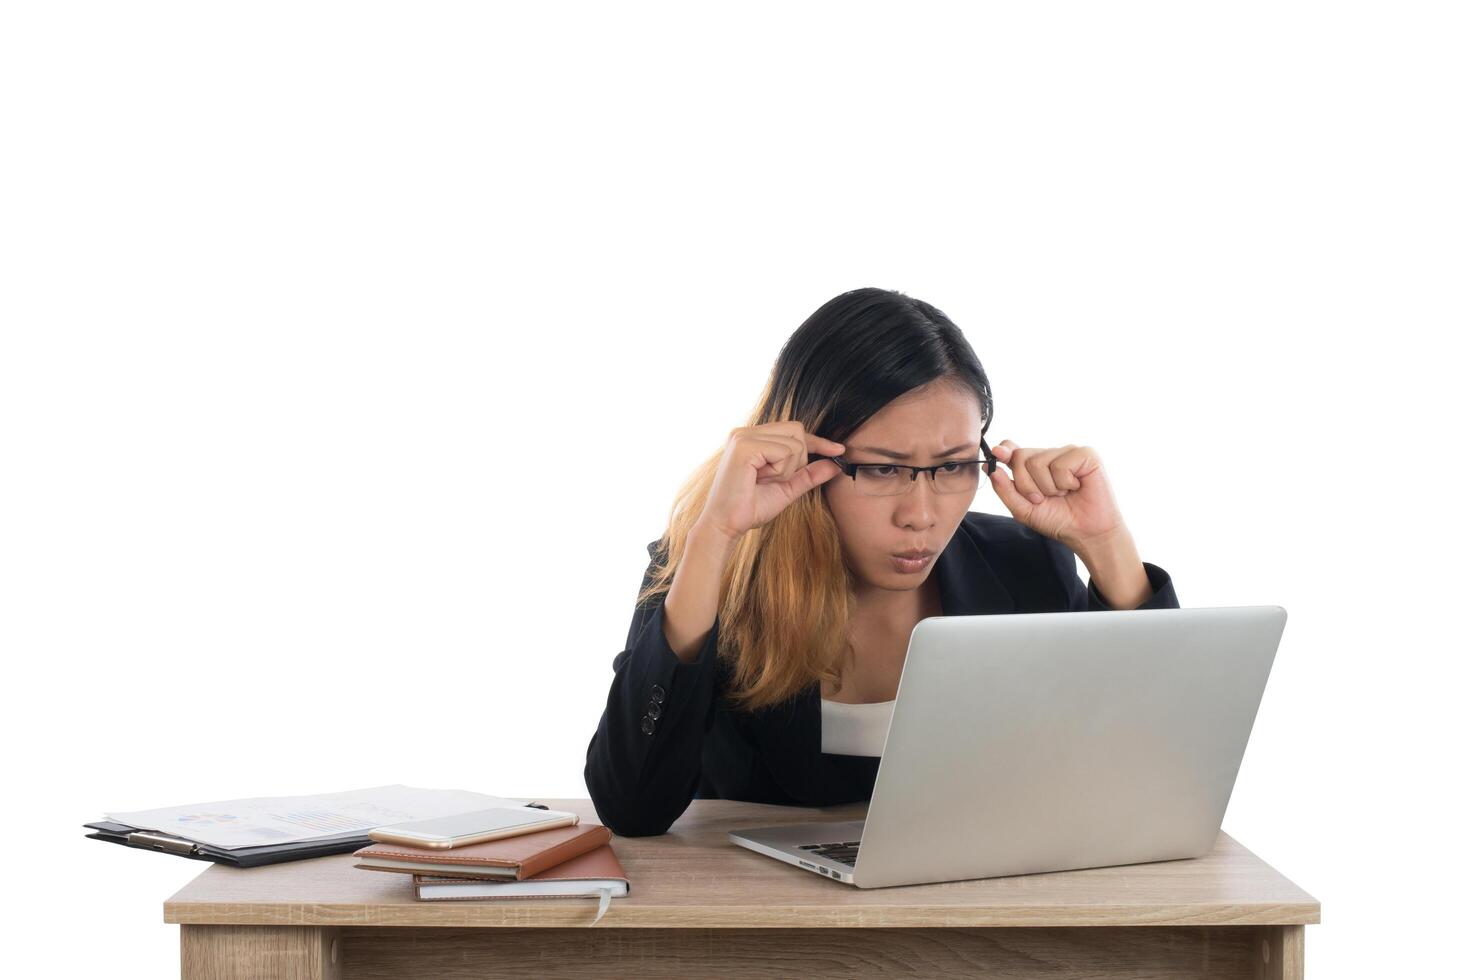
(882, 470)
(950, 467)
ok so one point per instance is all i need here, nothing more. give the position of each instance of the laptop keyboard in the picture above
(843, 852)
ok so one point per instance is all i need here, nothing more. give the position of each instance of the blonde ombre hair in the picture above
(786, 594)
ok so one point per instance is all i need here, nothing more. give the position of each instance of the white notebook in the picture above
(429, 889)
(594, 874)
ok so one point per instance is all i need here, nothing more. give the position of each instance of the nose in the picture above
(915, 509)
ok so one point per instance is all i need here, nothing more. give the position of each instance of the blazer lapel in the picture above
(968, 586)
(790, 733)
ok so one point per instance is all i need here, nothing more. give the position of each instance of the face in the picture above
(918, 427)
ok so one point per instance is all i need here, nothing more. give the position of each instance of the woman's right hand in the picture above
(762, 470)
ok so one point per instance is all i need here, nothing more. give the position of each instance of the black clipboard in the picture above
(238, 857)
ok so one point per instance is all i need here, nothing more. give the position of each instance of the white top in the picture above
(854, 729)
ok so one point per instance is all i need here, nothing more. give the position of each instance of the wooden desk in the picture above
(700, 906)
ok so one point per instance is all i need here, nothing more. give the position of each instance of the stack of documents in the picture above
(559, 862)
(595, 874)
(266, 830)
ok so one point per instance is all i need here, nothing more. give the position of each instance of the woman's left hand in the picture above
(1062, 493)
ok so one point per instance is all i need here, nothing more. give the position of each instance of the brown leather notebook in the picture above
(583, 875)
(506, 859)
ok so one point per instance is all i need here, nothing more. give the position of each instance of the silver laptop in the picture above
(1038, 742)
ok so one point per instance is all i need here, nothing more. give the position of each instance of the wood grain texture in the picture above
(1151, 952)
(694, 878)
(1284, 953)
(307, 953)
(258, 953)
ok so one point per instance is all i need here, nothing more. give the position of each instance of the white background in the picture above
(353, 353)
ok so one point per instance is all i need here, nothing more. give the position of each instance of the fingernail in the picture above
(1035, 498)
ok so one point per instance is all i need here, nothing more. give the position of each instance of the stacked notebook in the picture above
(561, 862)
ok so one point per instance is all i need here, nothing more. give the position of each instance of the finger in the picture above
(1065, 466)
(817, 444)
(810, 477)
(798, 459)
(767, 454)
(797, 430)
(784, 463)
(812, 442)
(1038, 465)
(1008, 494)
(1021, 476)
(794, 458)
(801, 443)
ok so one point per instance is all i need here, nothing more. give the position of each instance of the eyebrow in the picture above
(890, 454)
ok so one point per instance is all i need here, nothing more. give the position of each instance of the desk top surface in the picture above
(693, 877)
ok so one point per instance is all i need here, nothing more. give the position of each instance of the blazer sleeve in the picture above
(1085, 597)
(644, 760)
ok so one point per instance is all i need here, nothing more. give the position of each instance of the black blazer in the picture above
(666, 734)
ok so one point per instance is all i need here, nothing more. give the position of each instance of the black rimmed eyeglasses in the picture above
(886, 479)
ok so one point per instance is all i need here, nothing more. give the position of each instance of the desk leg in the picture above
(258, 953)
(1284, 951)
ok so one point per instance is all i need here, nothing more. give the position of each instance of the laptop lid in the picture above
(1039, 742)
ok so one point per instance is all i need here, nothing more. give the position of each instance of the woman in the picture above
(769, 635)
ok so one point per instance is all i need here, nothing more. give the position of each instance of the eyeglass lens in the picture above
(881, 480)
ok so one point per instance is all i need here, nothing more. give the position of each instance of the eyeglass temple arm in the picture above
(989, 457)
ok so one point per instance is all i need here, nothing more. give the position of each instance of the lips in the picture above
(905, 564)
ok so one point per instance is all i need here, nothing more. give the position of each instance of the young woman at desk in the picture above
(770, 631)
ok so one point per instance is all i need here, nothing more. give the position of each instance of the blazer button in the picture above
(658, 693)
(647, 725)
(655, 710)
